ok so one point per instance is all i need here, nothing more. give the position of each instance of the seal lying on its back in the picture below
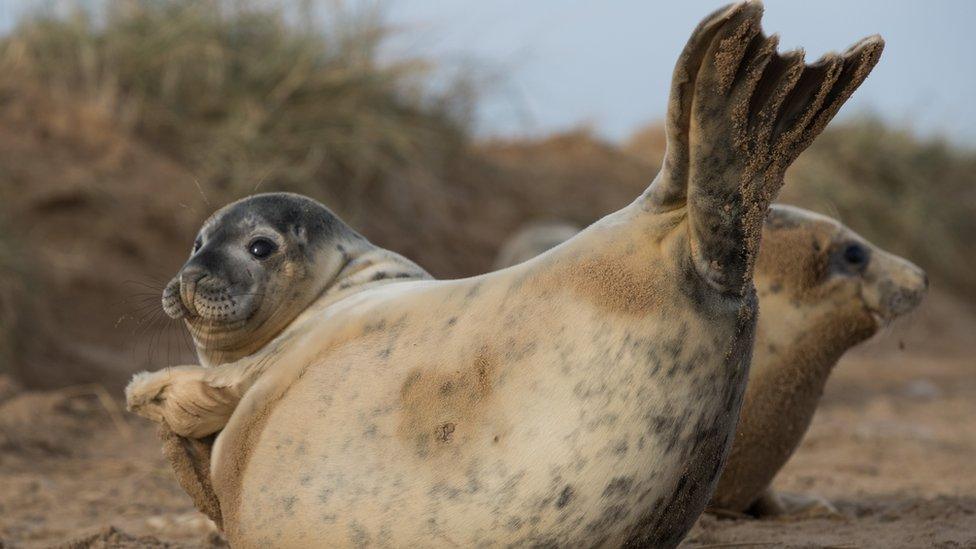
(822, 289)
(588, 396)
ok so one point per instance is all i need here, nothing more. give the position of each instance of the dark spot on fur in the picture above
(374, 327)
(618, 487)
(358, 534)
(422, 445)
(610, 517)
(564, 497)
(443, 490)
(446, 432)
(452, 321)
(288, 503)
(621, 447)
(407, 383)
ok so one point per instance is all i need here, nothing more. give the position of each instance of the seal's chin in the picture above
(894, 305)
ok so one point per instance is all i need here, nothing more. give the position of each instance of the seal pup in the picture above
(254, 267)
(822, 289)
(587, 396)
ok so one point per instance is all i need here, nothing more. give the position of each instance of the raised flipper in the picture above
(738, 116)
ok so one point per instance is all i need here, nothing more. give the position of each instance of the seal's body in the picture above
(571, 416)
(822, 289)
(585, 397)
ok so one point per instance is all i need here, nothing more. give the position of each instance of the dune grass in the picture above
(243, 93)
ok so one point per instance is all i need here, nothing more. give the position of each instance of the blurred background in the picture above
(437, 129)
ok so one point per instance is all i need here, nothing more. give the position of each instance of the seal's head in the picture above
(256, 265)
(816, 275)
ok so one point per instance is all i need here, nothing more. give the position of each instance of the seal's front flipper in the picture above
(739, 115)
(190, 400)
(190, 459)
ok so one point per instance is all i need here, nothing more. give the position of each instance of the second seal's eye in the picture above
(856, 255)
(261, 248)
(197, 244)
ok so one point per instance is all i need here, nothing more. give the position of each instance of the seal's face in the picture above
(255, 265)
(816, 274)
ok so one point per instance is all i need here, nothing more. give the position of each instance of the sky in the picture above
(556, 64)
(549, 65)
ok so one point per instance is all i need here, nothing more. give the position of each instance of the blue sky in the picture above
(553, 64)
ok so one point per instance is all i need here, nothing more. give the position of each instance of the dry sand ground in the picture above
(893, 446)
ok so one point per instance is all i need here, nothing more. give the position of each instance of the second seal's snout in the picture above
(899, 287)
(902, 297)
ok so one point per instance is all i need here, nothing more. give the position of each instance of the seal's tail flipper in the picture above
(669, 189)
(738, 116)
(187, 399)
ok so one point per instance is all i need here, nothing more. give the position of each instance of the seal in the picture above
(822, 290)
(255, 266)
(586, 396)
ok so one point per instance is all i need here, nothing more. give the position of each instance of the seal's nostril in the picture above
(192, 275)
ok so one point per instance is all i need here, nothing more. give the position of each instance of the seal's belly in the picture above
(588, 437)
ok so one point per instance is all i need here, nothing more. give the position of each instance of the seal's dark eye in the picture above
(261, 248)
(197, 244)
(855, 254)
